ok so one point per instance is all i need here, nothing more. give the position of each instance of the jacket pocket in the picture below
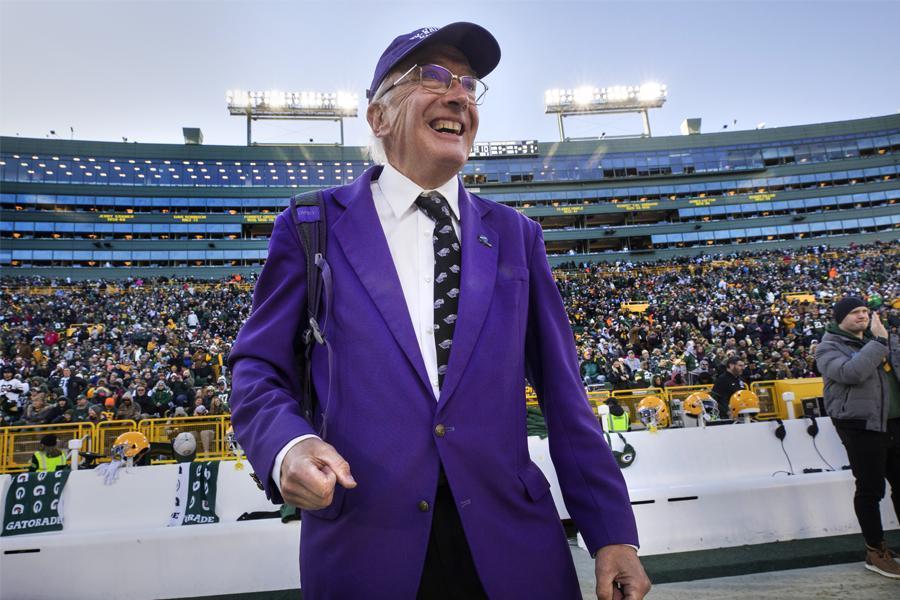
(333, 510)
(861, 402)
(536, 484)
(505, 273)
(842, 409)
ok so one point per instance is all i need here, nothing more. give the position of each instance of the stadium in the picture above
(191, 223)
(685, 263)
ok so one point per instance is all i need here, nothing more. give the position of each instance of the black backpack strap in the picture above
(308, 215)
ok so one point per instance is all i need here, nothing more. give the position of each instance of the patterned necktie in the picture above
(446, 276)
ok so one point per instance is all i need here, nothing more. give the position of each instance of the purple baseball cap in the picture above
(474, 41)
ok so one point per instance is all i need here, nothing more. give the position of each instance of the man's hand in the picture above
(308, 474)
(876, 326)
(620, 574)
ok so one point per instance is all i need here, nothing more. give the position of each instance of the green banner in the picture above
(33, 503)
(195, 494)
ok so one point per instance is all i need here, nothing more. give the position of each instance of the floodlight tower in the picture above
(277, 105)
(589, 100)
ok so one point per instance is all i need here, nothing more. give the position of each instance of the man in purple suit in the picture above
(449, 300)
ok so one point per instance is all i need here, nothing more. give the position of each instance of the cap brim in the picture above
(474, 41)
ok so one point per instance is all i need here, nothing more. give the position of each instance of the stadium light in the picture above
(279, 105)
(587, 100)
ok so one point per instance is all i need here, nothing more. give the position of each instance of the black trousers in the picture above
(449, 572)
(874, 457)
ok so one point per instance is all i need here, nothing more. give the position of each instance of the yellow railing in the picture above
(680, 392)
(629, 399)
(110, 290)
(769, 392)
(20, 443)
(208, 431)
(595, 398)
(108, 431)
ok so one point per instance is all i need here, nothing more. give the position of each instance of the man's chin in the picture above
(450, 159)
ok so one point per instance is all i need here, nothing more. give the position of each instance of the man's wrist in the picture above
(633, 547)
(279, 458)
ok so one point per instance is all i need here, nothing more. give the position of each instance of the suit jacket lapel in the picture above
(479, 271)
(361, 237)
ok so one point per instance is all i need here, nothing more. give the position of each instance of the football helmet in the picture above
(131, 444)
(701, 404)
(743, 402)
(653, 412)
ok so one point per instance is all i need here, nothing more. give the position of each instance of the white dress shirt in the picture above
(408, 233)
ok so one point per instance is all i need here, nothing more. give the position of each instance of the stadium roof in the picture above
(344, 153)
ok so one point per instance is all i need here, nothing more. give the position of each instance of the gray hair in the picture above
(382, 96)
(376, 150)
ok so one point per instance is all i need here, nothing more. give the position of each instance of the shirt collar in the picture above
(401, 192)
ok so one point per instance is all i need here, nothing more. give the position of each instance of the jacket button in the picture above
(424, 506)
(440, 430)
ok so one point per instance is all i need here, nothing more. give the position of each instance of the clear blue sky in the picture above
(144, 69)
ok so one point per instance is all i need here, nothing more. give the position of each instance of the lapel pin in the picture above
(484, 240)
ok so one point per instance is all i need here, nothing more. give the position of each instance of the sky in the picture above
(143, 69)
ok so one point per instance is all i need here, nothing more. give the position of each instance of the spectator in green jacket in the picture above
(589, 369)
(162, 396)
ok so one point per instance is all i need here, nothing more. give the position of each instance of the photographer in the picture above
(859, 364)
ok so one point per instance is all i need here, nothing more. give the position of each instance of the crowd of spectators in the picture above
(94, 351)
(132, 349)
(702, 310)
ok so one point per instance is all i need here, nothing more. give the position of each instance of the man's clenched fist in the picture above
(308, 474)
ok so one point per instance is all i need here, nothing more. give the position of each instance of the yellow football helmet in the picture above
(131, 444)
(653, 412)
(743, 402)
(701, 404)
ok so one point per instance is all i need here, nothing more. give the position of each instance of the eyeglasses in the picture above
(437, 79)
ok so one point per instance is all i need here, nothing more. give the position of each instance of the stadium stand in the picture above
(87, 353)
(89, 210)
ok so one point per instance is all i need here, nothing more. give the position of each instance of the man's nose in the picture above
(457, 95)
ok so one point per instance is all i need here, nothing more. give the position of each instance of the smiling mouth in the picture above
(445, 126)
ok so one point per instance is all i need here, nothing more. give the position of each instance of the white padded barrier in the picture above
(692, 489)
(722, 486)
(115, 543)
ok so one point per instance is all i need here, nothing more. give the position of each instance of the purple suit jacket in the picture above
(383, 418)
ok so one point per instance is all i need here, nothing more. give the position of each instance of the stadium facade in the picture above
(108, 210)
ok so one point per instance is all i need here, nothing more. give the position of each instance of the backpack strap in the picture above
(308, 215)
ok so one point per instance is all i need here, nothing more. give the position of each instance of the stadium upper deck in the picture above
(118, 209)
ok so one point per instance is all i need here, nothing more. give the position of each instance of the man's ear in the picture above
(375, 115)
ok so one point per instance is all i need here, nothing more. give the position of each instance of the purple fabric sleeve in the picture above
(266, 380)
(592, 484)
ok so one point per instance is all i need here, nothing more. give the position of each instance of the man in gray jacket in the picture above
(859, 364)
